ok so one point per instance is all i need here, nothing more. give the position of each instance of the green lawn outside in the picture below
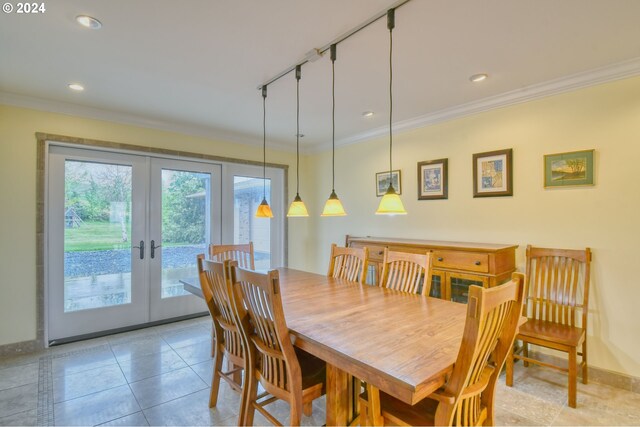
(95, 236)
(99, 236)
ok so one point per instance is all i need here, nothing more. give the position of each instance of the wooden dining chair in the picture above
(467, 398)
(406, 272)
(243, 253)
(557, 304)
(216, 289)
(349, 263)
(284, 372)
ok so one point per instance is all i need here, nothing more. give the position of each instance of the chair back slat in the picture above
(258, 296)
(406, 272)
(490, 329)
(242, 253)
(216, 290)
(348, 263)
(559, 285)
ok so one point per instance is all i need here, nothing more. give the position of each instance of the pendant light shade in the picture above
(333, 206)
(391, 204)
(264, 210)
(297, 208)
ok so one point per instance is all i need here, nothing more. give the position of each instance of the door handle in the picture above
(141, 247)
(153, 248)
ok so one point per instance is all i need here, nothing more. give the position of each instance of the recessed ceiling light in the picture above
(367, 114)
(75, 86)
(478, 77)
(88, 21)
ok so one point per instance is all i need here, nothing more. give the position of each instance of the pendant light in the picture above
(264, 210)
(297, 207)
(391, 204)
(333, 206)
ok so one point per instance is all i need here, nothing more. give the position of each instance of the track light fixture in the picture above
(297, 207)
(391, 204)
(264, 210)
(333, 206)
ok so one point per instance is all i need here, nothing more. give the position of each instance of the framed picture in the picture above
(383, 179)
(568, 169)
(433, 179)
(493, 174)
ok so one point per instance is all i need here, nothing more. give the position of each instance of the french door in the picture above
(122, 230)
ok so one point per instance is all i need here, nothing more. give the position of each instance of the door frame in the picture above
(43, 142)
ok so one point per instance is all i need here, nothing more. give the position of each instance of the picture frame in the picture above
(571, 169)
(493, 173)
(382, 182)
(433, 179)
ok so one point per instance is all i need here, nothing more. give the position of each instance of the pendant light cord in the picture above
(298, 72)
(390, 102)
(264, 143)
(333, 120)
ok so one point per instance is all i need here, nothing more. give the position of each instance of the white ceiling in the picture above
(194, 66)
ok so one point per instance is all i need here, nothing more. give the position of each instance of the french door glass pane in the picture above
(186, 205)
(97, 230)
(247, 195)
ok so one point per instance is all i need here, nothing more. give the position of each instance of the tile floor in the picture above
(161, 376)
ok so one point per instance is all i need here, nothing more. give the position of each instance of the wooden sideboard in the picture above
(456, 265)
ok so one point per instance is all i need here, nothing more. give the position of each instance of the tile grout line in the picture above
(45, 410)
(132, 393)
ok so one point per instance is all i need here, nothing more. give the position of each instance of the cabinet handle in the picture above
(381, 253)
(477, 262)
(440, 259)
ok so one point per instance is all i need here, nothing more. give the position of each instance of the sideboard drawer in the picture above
(376, 253)
(469, 261)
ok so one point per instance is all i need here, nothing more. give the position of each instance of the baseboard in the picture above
(18, 348)
(599, 375)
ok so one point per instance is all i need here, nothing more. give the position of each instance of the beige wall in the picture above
(603, 217)
(18, 194)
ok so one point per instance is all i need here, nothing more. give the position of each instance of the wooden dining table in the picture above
(404, 344)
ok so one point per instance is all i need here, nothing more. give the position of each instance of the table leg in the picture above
(338, 400)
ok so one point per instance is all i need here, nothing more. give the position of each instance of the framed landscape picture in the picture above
(433, 179)
(493, 174)
(383, 179)
(568, 169)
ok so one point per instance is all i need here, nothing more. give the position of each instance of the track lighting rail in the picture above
(337, 40)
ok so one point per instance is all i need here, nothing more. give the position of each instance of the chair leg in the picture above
(363, 408)
(307, 409)
(295, 412)
(215, 379)
(375, 410)
(249, 409)
(573, 377)
(585, 369)
(509, 376)
(525, 353)
(213, 340)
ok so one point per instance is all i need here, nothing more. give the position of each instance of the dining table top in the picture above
(402, 343)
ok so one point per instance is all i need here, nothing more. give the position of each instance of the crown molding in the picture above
(58, 107)
(617, 71)
(609, 73)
